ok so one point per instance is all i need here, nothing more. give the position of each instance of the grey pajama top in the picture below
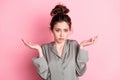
(69, 66)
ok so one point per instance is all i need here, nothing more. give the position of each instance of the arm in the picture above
(41, 65)
(88, 42)
(39, 62)
(82, 56)
(81, 60)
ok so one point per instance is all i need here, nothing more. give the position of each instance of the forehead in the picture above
(61, 25)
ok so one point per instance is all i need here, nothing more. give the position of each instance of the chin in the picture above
(61, 41)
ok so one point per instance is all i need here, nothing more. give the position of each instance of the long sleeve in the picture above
(81, 60)
(42, 66)
(69, 66)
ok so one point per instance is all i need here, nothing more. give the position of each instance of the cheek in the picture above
(67, 34)
(55, 34)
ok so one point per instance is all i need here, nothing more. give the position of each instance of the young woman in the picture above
(61, 59)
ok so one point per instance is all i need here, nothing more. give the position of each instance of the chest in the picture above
(65, 55)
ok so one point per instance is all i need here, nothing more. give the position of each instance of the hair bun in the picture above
(59, 9)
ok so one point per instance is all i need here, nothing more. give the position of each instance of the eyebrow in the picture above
(64, 28)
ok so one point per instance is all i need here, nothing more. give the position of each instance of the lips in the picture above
(61, 38)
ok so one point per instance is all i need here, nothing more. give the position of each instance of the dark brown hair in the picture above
(59, 14)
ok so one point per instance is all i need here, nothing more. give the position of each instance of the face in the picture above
(61, 31)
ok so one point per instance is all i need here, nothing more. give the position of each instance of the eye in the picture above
(57, 30)
(66, 30)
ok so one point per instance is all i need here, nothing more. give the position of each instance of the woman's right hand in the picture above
(33, 46)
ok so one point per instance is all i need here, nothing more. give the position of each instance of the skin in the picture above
(61, 32)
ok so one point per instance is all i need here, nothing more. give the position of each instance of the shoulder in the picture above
(46, 45)
(73, 42)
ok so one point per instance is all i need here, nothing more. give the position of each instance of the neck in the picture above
(59, 44)
(59, 47)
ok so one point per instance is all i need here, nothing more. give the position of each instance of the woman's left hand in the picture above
(88, 42)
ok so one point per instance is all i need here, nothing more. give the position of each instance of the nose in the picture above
(61, 34)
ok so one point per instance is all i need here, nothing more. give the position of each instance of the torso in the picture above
(61, 60)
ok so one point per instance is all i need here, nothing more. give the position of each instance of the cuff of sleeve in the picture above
(40, 63)
(83, 55)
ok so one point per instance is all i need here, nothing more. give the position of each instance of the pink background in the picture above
(29, 19)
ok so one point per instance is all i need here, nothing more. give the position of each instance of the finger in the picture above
(23, 41)
(92, 40)
(26, 43)
(95, 38)
(29, 43)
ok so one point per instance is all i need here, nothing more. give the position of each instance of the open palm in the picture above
(31, 45)
(89, 41)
